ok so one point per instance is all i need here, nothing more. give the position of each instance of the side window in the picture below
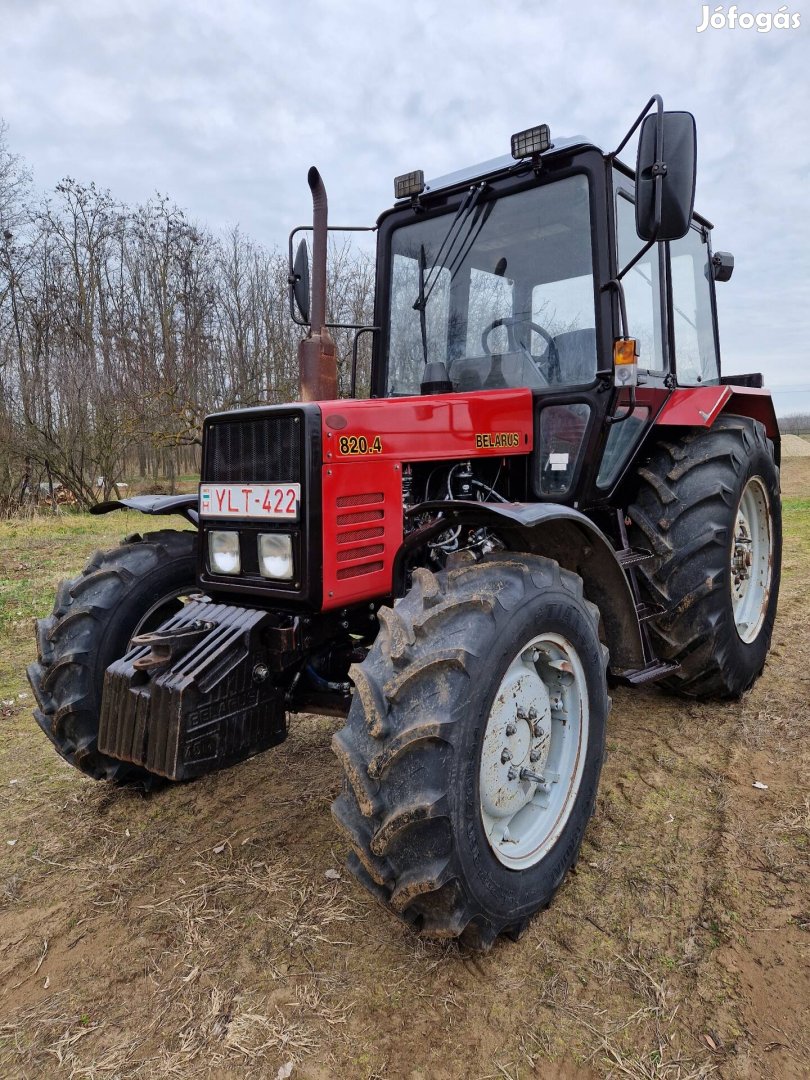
(692, 323)
(642, 288)
(620, 441)
(560, 441)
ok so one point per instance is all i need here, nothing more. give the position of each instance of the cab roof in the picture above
(497, 165)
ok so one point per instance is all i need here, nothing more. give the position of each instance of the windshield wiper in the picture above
(456, 226)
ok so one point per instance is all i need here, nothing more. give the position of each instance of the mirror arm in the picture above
(292, 276)
(659, 167)
(656, 99)
(640, 254)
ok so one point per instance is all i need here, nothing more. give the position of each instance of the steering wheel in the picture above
(550, 362)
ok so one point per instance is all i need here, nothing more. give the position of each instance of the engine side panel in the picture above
(365, 444)
(362, 530)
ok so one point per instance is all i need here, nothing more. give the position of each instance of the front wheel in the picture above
(474, 744)
(121, 593)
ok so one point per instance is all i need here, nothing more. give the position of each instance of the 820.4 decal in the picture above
(359, 444)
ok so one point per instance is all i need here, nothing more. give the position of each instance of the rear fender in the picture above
(699, 406)
(557, 532)
(186, 505)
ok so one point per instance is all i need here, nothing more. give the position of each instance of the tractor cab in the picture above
(547, 270)
(494, 278)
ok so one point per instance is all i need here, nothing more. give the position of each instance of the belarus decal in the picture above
(496, 439)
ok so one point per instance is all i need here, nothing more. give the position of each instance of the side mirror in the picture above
(299, 280)
(665, 175)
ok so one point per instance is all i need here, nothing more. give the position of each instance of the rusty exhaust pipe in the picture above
(317, 362)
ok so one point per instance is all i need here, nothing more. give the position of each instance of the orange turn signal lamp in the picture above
(625, 361)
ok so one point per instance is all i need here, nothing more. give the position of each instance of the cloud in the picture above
(225, 105)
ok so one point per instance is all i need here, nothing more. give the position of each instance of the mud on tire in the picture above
(135, 585)
(685, 510)
(412, 745)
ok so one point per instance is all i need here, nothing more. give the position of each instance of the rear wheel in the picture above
(473, 746)
(123, 592)
(708, 506)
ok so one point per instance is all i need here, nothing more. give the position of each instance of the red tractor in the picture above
(550, 489)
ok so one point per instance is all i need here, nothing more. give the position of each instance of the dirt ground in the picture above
(209, 930)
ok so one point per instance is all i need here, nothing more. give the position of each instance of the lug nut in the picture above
(537, 730)
(535, 755)
(511, 729)
(506, 755)
(527, 774)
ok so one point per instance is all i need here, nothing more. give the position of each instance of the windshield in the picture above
(511, 301)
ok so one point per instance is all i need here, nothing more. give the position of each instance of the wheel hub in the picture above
(751, 560)
(516, 740)
(533, 751)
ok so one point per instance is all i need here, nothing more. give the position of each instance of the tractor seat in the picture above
(513, 369)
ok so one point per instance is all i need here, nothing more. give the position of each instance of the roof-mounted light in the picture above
(409, 184)
(531, 142)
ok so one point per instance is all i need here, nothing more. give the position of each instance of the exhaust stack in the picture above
(317, 362)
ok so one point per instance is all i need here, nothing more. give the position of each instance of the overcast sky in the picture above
(224, 105)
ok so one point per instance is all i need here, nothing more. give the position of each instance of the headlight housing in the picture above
(223, 552)
(276, 556)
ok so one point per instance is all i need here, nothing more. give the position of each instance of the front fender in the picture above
(186, 505)
(557, 532)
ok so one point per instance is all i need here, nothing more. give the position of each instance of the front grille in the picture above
(256, 449)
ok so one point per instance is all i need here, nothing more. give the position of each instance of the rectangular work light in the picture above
(410, 183)
(532, 141)
(223, 552)
(276, 556)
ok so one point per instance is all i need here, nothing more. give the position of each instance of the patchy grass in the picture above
(36, 553)
(208, 930)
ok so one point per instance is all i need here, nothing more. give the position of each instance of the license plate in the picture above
(266, 501)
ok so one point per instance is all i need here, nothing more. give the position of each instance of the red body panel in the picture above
(364, 446)
(699, 406)
(439, 427)
(362, 530)
(756, 403)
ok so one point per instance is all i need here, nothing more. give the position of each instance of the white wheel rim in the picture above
(751, 556)
(538, 724)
